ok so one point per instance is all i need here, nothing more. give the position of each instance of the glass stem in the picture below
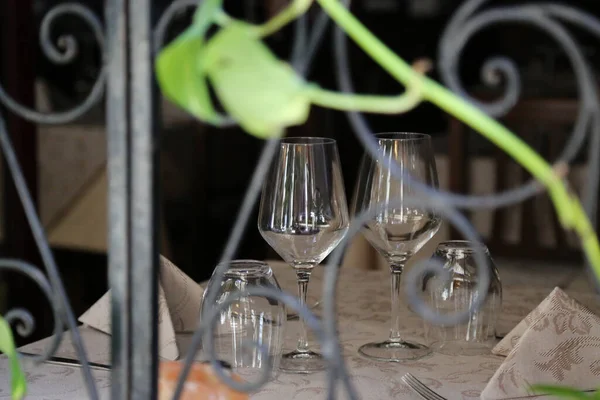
(303, 276)
(396, 270)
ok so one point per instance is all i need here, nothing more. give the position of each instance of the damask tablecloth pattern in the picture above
(363, 304)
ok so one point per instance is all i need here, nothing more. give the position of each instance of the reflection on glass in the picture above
(249, 324)
(303, 216)
(477, 335)
(398, 227)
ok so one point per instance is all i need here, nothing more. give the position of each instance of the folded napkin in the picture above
(179, 299)
(557, 343)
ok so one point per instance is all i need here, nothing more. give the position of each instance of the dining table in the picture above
(363, 305)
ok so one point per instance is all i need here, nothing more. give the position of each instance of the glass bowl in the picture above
(478, 334)
(249, 333)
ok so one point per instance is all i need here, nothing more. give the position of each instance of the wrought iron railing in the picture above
(131, 37)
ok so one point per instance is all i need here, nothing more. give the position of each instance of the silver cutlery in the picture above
(69, 362)
(419, 388)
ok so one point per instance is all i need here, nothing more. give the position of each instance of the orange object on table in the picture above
(202, 383)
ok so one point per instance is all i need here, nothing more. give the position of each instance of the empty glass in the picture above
(398, 226)
(477, 335)
(303, 216)
(249, 321)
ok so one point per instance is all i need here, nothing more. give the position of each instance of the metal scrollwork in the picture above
(546, 16)
(549, 18)
(58, 298)
(21, 318)
(467, 22)
(463, 26)
(63, 53)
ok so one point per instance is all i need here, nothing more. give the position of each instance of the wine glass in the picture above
(303, 216)
(397, 226)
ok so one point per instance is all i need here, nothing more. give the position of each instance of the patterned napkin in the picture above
(179, 300)
(557, 343)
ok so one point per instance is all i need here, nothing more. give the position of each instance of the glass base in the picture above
(462, 348)
(394, 351)
(302, 362)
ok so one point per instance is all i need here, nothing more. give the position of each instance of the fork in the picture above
(419, 388)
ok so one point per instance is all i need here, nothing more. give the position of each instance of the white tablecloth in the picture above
(364, 316)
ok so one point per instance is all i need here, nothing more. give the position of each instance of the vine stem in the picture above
(568, 207)
(284, 17)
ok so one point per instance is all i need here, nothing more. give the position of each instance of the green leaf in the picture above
(179, 78)
(562, 392)
(7, 346)
(263, 94)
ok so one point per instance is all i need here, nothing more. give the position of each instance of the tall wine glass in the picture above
(304, 216)
(398, 227)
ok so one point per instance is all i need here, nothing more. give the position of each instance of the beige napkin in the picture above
(179, 299)
(557, 343)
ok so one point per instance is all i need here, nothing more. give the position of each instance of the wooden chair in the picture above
(545, 124)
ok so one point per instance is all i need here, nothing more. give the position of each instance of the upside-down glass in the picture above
(303, 216)
(397, 227)
(449, 296)
(249, 324)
